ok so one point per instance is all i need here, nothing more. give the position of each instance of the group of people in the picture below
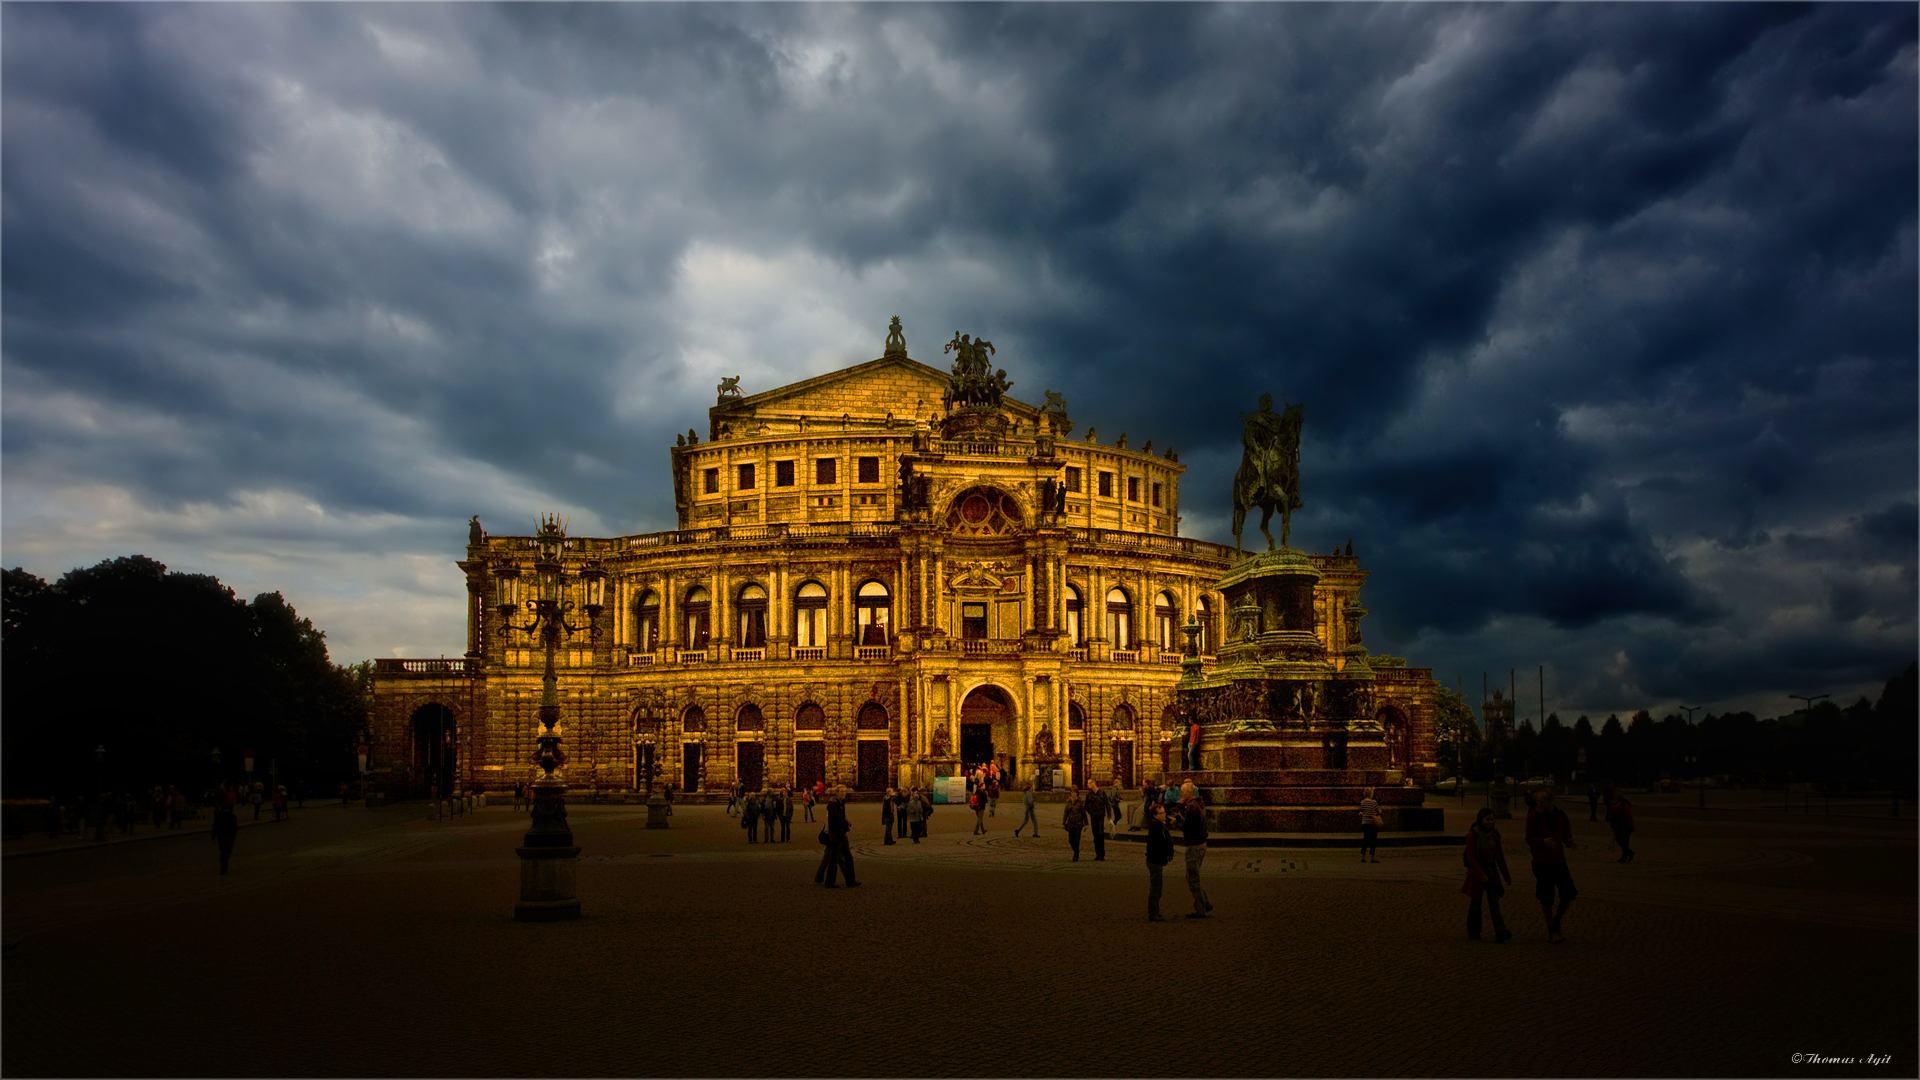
(904, 813)
(766, 811)
(1095, 809)
(1548, 835)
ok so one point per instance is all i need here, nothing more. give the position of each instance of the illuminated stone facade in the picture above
(868, 585)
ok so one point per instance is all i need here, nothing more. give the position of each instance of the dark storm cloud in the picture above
(1603, 316)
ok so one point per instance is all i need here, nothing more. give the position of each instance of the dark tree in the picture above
(160, 669)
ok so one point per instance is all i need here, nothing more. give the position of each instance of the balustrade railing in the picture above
(1077, 654)
(990, 647)
(749, 654)
(457, 666)
(809, 653)
(1124, 656)
(691, 656)
(872, 652)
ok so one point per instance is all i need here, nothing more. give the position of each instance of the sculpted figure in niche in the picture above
(1043, 741)
(942, 742)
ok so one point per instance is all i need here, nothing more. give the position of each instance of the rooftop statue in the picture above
(973, 381)
(896, 338)
(729, 387)
(475, 535)
(1269, 475)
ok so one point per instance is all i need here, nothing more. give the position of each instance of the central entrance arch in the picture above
(435, 750)
(987, 728)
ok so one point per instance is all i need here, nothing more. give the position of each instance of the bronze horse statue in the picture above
(1269, 475)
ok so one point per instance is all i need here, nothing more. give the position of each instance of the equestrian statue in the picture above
(1269, 475)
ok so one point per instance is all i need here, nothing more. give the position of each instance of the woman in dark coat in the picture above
(1486, 870)
(886, 817)
(1074, 820)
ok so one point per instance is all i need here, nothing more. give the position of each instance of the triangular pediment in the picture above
(894, 384)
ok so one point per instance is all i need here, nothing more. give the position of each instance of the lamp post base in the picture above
(546, 910)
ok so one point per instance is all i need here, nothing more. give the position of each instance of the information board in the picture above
(950, 790)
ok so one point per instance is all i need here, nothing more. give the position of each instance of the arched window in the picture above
(699, 616)
(810, 616)
(1076, 717)
(873, 717)
(1205, 618)
(753, 617)
(983, 511)
(1119, 619)
(809, 718)
(694, 720)
(1122, 718)
(872, 607)
(1163, 610)
(750, 719)
(646, 621)
(1076, 637)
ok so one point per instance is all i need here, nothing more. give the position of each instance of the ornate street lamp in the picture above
(547, 852)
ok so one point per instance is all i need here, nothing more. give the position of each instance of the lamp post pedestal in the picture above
(657, 810)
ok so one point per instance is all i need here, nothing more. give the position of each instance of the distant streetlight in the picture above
(1807, 701)
(1690, 710)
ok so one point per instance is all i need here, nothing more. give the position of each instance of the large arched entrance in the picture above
(987, 728)
(434, 750)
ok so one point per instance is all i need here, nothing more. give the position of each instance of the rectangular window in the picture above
(973, 621)
(1133, 489)
(869, 470)
(746, 478)
(1073, 478)
(823, 470)
(783, 476)
(1156, 494)
(1106, 483)
(712, 479)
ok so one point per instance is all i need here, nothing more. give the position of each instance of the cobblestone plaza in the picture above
(380, 942)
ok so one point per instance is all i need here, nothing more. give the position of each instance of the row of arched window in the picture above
(1121, 633)
(809, 717)
(1123, 718)
(872, 616)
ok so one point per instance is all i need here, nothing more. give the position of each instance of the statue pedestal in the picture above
(657, 810)
(1044, 766)
(1288, 740)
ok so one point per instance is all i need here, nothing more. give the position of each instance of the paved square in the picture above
(370, 943)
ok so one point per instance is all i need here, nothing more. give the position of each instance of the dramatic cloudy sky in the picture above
(1604, 317)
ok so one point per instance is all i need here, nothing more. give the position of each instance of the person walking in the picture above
(839, 851)
(343, 794)
(786, 816)
(750, 818)
(911, 816)
(1593, 803)
(809, 803)
(1026, 800)
(1549, 835)
(256, 798)
(993, 793)
(769, 815)
(1193, 829)
(280, 802)
(1097, 819)
(1486, 865)
(733, 796)
(225, 828)
(1193, 747)
(1369, 826)
(1073, 819)
(979, 802)
(886, 818)
(1159, 854)
(1620, 820)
